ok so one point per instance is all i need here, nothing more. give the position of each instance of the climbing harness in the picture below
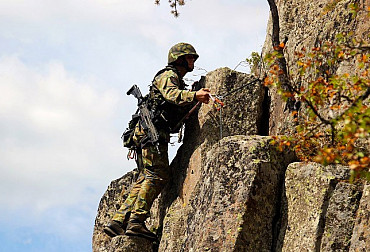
(131, 154)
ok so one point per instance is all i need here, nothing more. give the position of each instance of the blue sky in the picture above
(64, 69)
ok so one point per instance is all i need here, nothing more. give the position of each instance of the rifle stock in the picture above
(146, 117)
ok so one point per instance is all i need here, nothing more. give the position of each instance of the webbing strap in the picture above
(167, 68)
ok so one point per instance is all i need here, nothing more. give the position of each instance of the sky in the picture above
(65, 67)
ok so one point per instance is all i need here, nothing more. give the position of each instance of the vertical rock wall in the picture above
(320, 208)
(233, 204)
(241, 115)
(360, 240)
(306, 24)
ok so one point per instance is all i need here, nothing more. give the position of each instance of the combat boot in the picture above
(115, 227)
(136, 227)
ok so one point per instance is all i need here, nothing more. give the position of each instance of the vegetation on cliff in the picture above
(333, 123)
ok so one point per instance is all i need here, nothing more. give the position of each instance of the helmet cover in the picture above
(179, 50)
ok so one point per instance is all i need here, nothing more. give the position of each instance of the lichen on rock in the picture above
(233, 205)
(320, 208)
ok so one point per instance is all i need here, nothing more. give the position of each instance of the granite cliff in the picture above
(231, 189)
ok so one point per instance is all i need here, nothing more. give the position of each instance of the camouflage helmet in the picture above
(179, 50)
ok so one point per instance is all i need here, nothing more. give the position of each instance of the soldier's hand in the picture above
(203, 95)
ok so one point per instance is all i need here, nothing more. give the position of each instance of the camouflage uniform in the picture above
(169, 95)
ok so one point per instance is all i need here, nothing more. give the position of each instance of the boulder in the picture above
(340, 217)
(130, 244)
(305, 24)
(319, 208)
(231, 190)
(242, 114)
(233, 204)
(110, 202)
(360, 241)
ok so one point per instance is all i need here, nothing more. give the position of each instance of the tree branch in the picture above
(280, 61)
(275, 23)
(361, 98)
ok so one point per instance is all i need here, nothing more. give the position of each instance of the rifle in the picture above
(146, 117)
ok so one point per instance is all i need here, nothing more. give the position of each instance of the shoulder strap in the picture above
(167, 68)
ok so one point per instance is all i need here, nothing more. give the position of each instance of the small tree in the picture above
(173, 5)
(333, 124)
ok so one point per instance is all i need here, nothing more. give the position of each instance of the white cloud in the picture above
(57, 137)
(224, 16)
(130, 17)
(40, 10)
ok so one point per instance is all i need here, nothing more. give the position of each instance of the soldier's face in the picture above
(190, 59)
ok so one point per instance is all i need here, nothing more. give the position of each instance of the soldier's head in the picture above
(182, 55)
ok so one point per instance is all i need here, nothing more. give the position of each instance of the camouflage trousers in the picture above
(152, 179)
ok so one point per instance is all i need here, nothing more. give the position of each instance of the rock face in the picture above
(116, 193)
(129, 244)
(233, 204)
(361, 232)
(231, 190)
(306, 24)
(319, 208)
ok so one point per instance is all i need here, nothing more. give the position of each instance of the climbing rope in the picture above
(218, 103)
(131, 154)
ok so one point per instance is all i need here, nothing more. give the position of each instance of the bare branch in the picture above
(359, 99)
(279, 47)
(275, 23)
(173, 5)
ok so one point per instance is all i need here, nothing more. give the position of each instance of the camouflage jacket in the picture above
(171, 100)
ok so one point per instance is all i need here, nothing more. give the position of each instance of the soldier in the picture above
(171, 102)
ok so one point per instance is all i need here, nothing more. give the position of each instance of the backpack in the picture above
(128, 134)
